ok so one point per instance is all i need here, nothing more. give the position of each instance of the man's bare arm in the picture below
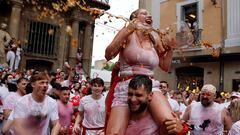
(56, 127)
(226, 118)
(186, 115)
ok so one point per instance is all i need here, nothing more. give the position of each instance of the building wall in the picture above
(211, 70)
(211, 18)
(18, 18)
(232, 69)
(213, 22)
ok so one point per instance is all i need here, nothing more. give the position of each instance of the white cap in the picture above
(209, 88)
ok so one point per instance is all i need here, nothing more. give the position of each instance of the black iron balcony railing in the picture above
(197, 34)
(188, 39)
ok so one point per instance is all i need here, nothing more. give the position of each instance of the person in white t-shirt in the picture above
(61, 79)
(92, 110)
(234, 109)
(165, 89)
(11, 100)
(235, 129)
(4, 91)
(206, 117)
(33, 112)
(179, 99)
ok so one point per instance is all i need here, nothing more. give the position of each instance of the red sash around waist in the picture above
(85, 129)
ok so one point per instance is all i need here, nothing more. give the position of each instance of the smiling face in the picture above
(97, 89)
(64, 96)
(97, 85)
(164, 88)
(143, 16)
(138, 99)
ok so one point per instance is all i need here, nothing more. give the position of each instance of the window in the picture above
(42, 39)
(190, 78)
(191, 12)
(236, 85)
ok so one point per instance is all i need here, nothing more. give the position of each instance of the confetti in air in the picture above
(56, 9)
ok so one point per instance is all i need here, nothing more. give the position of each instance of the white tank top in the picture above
(206, 120)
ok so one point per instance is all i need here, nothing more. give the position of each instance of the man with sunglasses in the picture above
(207, 117)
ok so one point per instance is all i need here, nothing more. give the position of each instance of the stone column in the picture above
(62, 49)
(87, 48)
(15, 18)
(233, 21)
(74, 42)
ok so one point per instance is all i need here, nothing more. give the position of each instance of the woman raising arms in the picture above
(139, 53)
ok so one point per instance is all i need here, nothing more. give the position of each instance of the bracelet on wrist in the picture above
(185, 129)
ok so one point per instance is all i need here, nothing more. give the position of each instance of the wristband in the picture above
(185, 129)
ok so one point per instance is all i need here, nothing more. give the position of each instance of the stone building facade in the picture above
(43, 50)
(218, 23)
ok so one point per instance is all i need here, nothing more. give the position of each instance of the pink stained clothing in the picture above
(65, 113)
(235, 129)
(206, 120)
(144, 126)
(121, 92)
(135, 59)
(94, 113)
(37, 116)
(11, 100)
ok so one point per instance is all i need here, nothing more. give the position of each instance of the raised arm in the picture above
(164, 47)
(121, 38)
(186, 115)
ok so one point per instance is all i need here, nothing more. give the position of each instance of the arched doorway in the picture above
(189, 78)
(40, 65)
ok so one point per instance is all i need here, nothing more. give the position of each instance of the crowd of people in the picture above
(65, 103)
(39, 102)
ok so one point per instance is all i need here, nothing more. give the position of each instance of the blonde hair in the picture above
(234, 109)
(134, 14)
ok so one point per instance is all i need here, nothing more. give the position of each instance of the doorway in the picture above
(189, 78)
